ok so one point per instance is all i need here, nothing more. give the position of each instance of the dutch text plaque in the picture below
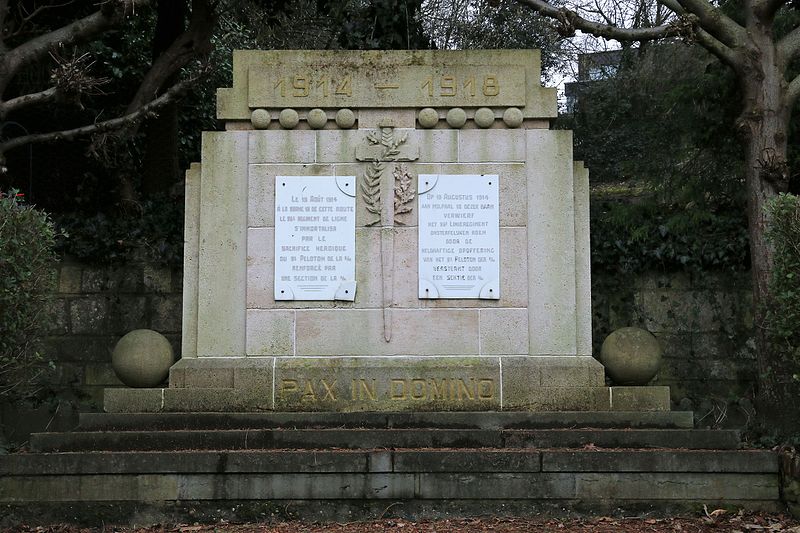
(315, 238)
(459, 236)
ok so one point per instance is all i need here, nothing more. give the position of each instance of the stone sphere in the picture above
(632, 356)
(142, 358)
(484, 117)
(428, 117)
(345, 118)
(513, 117)
(456, 117)
(317, 119)
(288, 118)
(260, 119)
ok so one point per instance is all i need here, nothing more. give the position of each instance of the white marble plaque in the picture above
(459, 236)
(315, 238)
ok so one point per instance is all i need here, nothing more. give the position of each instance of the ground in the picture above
(711, 521)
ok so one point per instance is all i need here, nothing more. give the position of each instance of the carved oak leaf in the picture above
(403, 193)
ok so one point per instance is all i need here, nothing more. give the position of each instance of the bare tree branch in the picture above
(195, 40)
(111, 14)
(713, 21)
(570, 20)
(26, 100)
(3, 14)
(766, 9)
(789, 46)
(793, 91)
(27, 17)
(725, 54)
(170, 96)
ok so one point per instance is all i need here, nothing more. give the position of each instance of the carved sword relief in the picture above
(382, 147)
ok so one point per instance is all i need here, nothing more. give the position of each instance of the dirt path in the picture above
(714, 521)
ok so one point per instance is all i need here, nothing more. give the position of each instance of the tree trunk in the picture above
(765, 122)
(161, 169)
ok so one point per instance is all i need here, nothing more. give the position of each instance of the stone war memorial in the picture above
(386, 313)
(387, 231)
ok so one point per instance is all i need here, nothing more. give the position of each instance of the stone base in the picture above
(388, 384)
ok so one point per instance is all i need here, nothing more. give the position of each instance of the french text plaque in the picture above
(315, 237)
(459, 236)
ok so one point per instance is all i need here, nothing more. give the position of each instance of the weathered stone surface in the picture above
(551, 242)
(57, 321)
(408, 420)
(338, 146)
(89, 488)
(465, 461)
(85, 349)
(754, 461)
(158, 279)
(556, 399)
(223, 244)
(503, 331)
(142, 358)
(345, 118)
(475, 146)
(133, 400)
(126, 313)
(632, 356)
(88, 315)
(437, 146)
(551, 371)
(640, 399)
(662, 486)
(394, 118)
(69, 279)
(165, 315)
(101, 374)
(583, 261)
(282, 146)
(270, 332)
(191, 264)
(415, 331)
(298, 486)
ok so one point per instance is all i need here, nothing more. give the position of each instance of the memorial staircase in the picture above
(178, 467)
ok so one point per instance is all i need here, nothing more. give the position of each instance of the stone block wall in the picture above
(704, 323)
(95, 306)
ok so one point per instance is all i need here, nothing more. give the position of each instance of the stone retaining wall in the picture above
(703, 322)
(93, 308)
(705, 325)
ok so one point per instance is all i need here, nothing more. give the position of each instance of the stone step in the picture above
(241, 439)
(451, 420)
(191, 485)
(377, 461)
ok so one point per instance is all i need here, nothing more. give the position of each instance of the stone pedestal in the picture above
(454, 113)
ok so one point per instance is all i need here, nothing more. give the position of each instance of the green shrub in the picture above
(26, 282)
(783, 311)
(153, 233)
(632, 238)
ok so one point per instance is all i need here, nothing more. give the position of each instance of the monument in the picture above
(387, 231)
